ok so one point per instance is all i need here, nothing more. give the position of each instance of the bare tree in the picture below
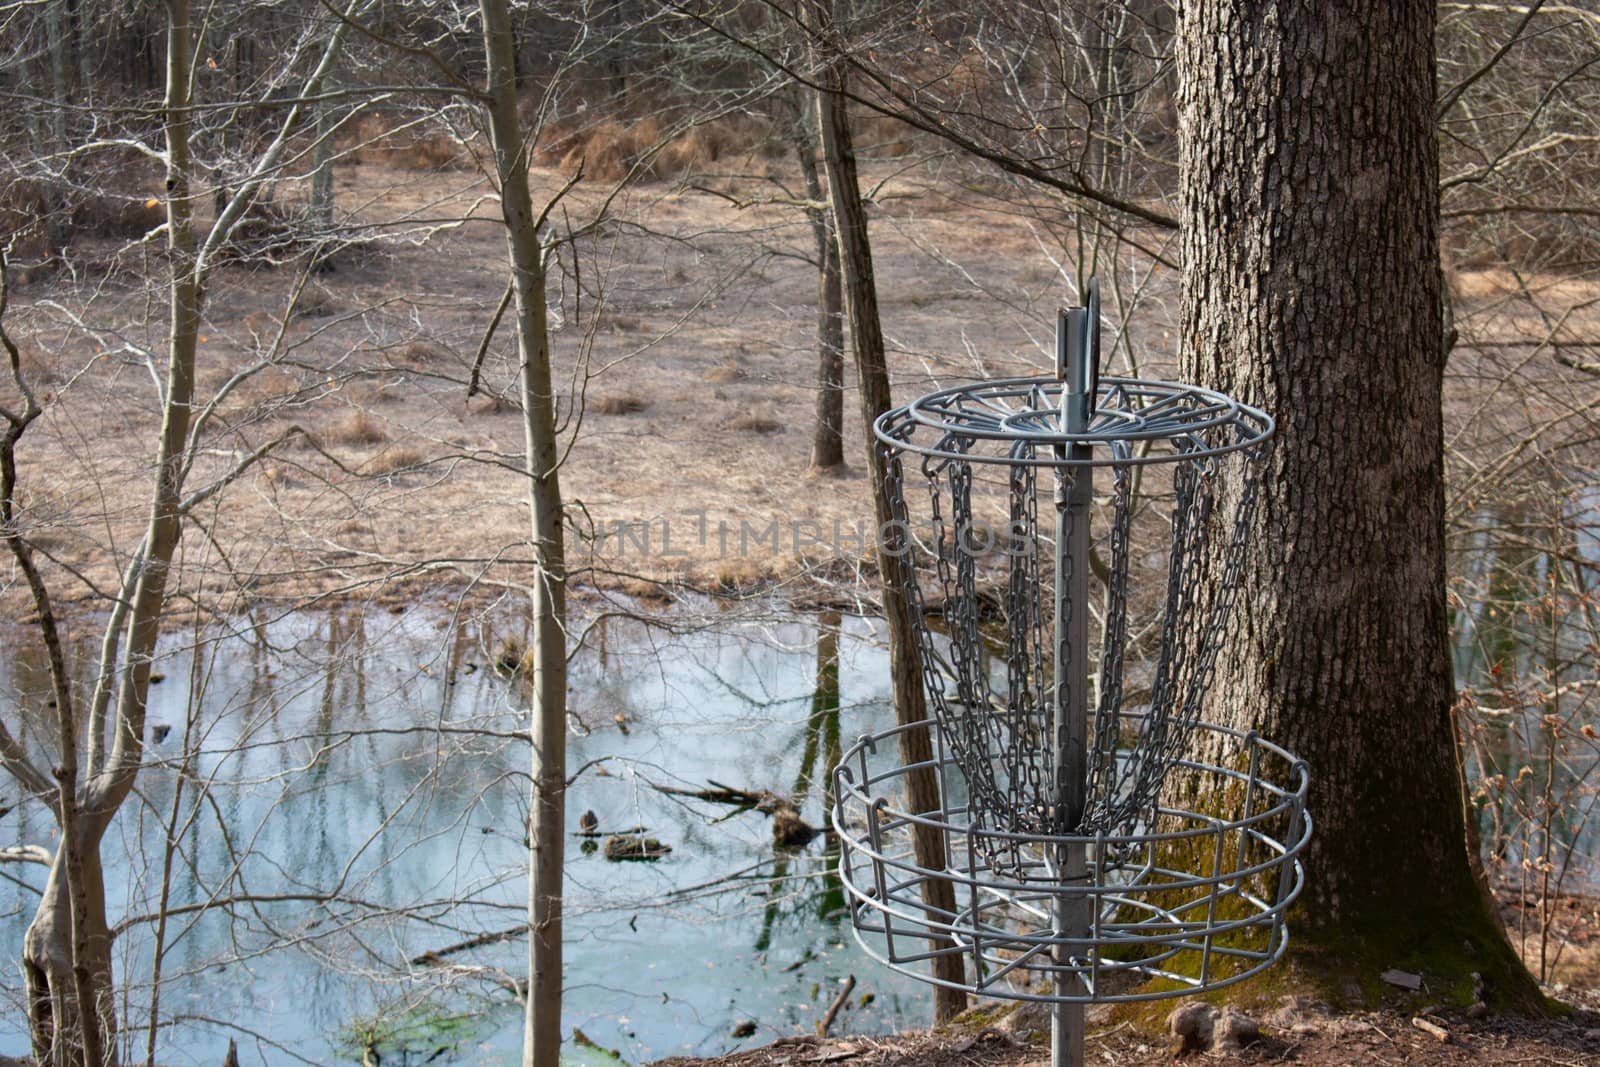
(547, 830)
(827, 434)
(66, 956)
(866, 333)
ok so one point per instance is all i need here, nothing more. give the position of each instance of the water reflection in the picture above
(1527, 629)
(818, 756)
(336, 796)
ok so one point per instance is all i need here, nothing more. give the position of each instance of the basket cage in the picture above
(1060, 858)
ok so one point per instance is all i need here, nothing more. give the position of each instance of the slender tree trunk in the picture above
(322, 173)
(1310, 213)
(827, 442)
(81, 50)
(872, 373)
(542, 1034)
(58, 224)
(827, 438)
(74, 901)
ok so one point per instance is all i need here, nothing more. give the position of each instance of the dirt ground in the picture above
(1296, 1030)
(684, 353)
(685, 345)
(1368, 1038)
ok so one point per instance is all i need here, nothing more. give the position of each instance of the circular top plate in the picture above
(1020, 422)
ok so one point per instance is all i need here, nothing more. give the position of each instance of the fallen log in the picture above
(762, 799)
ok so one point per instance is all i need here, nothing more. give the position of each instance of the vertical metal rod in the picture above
(1077, 337)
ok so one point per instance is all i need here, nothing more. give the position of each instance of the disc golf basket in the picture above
(1101, 841)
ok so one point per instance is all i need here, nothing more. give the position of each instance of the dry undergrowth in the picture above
(358, 428)
(395, 459)
(757, 424)
(623, 404)
(1360, 1039)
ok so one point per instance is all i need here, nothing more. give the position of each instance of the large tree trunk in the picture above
(1310, 210)
(548, 668)
(872, 372)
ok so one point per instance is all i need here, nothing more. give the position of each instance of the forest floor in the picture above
(1366, 1038)
(1295, 1030)
(685, 345)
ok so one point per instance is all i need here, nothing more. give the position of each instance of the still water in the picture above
(349, 793)
(1525, 618)
(363, 771)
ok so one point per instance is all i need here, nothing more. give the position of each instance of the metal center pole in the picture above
(1077, 342)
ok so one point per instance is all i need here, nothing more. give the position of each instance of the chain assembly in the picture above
(1077, 543)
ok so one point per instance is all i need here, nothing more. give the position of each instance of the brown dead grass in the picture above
(609, 150)
(623, 404)
(758, 424)
(125, 208)
(679, 454)
(402, 143)
(613, 149)
(358, 428)
(396, 458)
(418, 355)
(741, 575)
(267, 384)
(491, 405)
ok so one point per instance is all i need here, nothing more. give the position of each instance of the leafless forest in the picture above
(370, 353)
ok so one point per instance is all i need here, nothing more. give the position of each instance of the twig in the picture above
(723, 794)
(1433, 1028)
(488, 336)
(833, 1009)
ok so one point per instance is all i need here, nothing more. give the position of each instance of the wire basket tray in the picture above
(1191, 903)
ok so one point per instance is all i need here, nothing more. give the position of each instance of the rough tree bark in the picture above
(1311, 287)
(548, 667)
(872, 374)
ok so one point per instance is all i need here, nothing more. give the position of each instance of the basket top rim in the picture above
(1136, 421)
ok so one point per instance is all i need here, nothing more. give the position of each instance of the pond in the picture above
(365, 768)
(355, 799)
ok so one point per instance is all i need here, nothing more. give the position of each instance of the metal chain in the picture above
(994, 716)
